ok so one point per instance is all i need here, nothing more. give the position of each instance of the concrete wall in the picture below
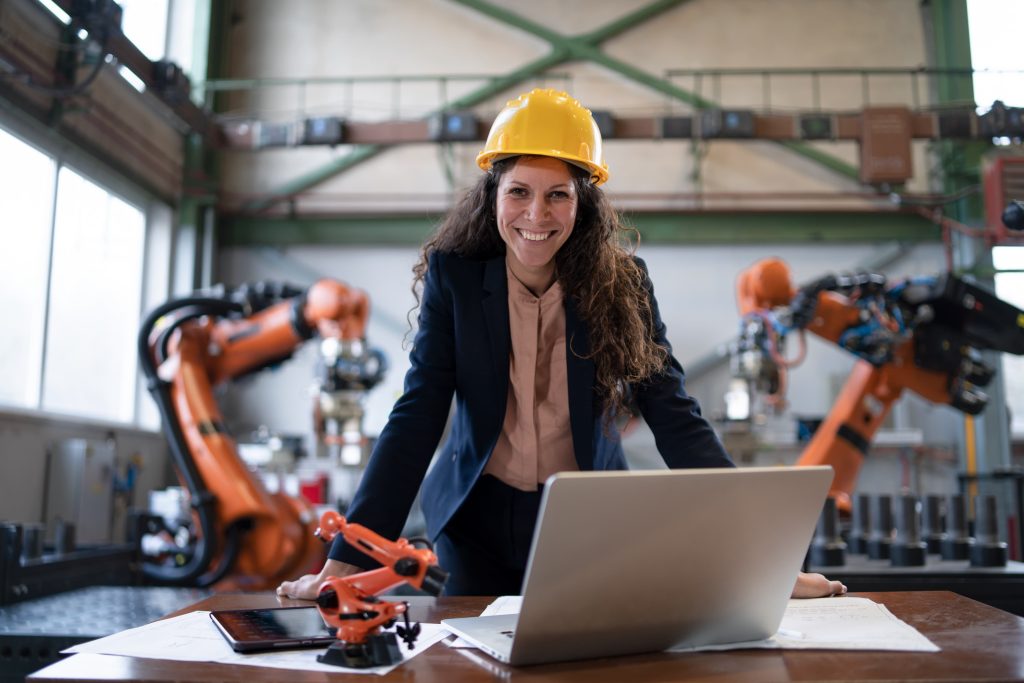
(365, 38)
(26, 439)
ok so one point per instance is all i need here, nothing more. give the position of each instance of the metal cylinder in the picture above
(64, 537)
(908, 550)
(934, 524)
(880, 541)
(32, 541)
(827, 547)
(957, 543)
(988, 550)
(860, 531)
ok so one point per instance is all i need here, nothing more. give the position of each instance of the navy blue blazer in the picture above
(462, 349)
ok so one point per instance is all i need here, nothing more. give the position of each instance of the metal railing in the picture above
(833, 88)
(345, 88)
(920, 89)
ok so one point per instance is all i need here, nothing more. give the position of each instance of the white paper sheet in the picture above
(192, 637)
(506, 604)
(841, 623)
(847, 623)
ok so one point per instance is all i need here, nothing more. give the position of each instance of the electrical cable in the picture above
(202, 500)
(60, 92)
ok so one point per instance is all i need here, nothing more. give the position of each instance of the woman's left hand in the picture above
(816, 586)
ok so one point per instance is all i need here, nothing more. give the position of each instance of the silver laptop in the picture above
(629, 562)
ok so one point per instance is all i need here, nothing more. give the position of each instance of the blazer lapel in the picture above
(495, 305)
(580, 374)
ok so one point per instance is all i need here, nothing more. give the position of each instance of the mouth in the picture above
(531, 236)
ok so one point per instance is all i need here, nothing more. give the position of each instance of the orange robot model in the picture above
(918, 334)
(246, 535)
(350, 604)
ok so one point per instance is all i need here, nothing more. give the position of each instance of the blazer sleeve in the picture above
(407, 443)
(683, 436)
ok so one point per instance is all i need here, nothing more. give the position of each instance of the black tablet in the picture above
(254, 630)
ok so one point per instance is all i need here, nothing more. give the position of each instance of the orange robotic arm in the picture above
(328, 308)
(921, 335)
(349, 603)
(255, 536)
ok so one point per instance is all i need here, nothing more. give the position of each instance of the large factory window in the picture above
(95, 302)
(26, 195)
(84, 254)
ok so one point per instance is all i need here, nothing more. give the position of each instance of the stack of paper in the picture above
(192, 637)
(842, 623)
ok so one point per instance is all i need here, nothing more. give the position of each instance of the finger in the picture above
(816, 586)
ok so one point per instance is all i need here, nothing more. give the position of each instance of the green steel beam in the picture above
(502, 83)
(654, 228)
(558, 40)
(199, 169)
(584, 48)
(951, 48)
(213, 16)
(623, 24)
(517, 20)
(357, 155)
(236, 231)
(595, 55)
(361, 153)
(783, 227)
(565, 43)
(564, 48)
(824, 158)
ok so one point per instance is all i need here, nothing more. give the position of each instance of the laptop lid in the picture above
(640, 561)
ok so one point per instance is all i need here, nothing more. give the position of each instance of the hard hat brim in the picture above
(598, 174)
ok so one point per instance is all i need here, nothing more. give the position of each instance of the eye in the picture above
(517, 191)
(559, 194)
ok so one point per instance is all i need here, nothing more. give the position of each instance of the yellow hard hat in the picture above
(546, 123)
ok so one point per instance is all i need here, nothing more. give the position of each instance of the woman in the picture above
(544, 328)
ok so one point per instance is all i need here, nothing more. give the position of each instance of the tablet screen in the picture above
(261, 629)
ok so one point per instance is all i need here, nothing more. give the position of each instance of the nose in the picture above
(538, 208)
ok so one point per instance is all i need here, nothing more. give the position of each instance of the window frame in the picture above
(158, 255)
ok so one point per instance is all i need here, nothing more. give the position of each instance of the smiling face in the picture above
(536, 210)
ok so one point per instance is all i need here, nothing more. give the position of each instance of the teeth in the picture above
(534, 236)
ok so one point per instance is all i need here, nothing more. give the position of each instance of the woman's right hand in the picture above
(307, 587)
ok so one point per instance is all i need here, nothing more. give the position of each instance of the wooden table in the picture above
(978, 643)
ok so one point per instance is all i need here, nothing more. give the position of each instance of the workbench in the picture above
(978, 643)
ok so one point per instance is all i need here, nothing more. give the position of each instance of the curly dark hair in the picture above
(595, 267)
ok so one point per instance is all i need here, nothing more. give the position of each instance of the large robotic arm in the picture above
(189, 346)
(923, 335)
